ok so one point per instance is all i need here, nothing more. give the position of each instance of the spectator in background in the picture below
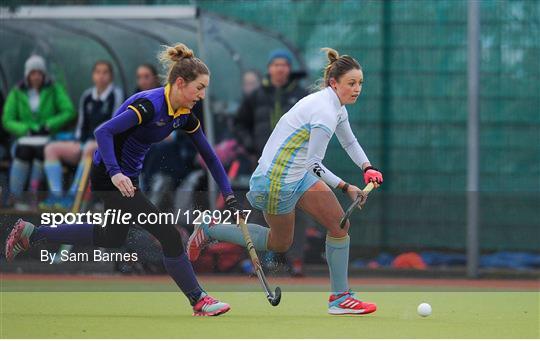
(258, 115)
(147, 77)
(260, 111)
(251, 81)
(37, 106)
(96, 105)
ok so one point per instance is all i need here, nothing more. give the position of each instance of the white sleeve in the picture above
(350, 144)
(318, 141)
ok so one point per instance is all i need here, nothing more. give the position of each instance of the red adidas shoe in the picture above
(346, 303)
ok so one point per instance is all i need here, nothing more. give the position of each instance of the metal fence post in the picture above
(473, 73)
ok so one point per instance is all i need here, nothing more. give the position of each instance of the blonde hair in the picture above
(180, 61)
(337, 65)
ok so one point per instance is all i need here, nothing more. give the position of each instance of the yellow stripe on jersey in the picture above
(171, 112)
(139, 116)
(194, 130)
(280, 165)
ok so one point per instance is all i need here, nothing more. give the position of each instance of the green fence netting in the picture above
(412, 115)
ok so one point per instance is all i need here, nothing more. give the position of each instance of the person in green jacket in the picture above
(34, 109)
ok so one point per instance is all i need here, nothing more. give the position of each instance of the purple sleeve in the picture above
(212, 161)
(104, 137)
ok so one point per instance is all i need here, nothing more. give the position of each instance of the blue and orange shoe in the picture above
(209, 306)
(198, 240)
(347, 303)
(18, 239)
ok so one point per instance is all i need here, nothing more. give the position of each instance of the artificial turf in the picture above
(132, 313)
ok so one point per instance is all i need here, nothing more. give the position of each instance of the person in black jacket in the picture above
(261, 110)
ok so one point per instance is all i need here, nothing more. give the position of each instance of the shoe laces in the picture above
(351, 294)
(346, 293)
(209, 300)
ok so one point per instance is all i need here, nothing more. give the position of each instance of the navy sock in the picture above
(181, 271)
(73, 234)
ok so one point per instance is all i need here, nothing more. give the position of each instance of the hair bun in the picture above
(180, 61)
(179, 52)
(331, 54)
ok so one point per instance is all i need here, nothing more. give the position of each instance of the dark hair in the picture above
(150, 67)
(337, 65)
(106, 63)
(181, 62)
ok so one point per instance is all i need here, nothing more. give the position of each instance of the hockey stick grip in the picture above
(369, 187)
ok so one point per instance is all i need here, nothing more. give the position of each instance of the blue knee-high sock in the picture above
(53, 170)
(77, 178)
(17, 177)
(337, 257)
(181, 271)
(73, 234)
(233, 234)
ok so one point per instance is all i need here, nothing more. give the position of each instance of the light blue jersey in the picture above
(291, 160)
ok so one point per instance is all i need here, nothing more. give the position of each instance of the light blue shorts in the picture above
(276, 197)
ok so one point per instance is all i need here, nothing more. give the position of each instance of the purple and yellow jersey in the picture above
(142, 120)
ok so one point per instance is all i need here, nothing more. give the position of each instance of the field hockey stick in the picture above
(273, 298)
(354, 204)
(83, 184)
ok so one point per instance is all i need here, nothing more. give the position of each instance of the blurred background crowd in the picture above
(62, 78)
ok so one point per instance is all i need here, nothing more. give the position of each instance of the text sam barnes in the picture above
(96, 256)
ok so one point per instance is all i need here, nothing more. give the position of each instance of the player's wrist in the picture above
(231, 202)
(370, 167)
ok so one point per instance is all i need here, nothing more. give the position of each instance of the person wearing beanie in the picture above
(35, 108)
(260, 111)
(34, 63)
(280, 53)
(258, 115)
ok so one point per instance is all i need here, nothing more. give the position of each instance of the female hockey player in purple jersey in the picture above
(145, 118)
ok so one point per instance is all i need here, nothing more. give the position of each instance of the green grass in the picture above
(300, 315)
